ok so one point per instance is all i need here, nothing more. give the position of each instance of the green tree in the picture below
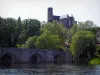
(19, 25)
(55, 28)
(83, 44)
(30, 43)
(1, 32)
(18, 31)
(8, 32)
(86, 25)
(30, 27)
(71, 32)
(48, 41)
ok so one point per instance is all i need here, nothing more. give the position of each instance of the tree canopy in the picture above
(52, 36)
(8, 32)
(29, 33)
(30, 27)
(48, 41)
(30, 42)
(86, 25)
(83, 42)
(55, 28)
(15, 32)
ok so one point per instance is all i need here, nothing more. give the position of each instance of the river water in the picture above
(50, 69)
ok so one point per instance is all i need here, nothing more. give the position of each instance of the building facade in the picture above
(67, 20)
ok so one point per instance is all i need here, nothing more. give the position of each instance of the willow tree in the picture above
(56, 28)
(83, 44)
(48, 41)
(30, 42)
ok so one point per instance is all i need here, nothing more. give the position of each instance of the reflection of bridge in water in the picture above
(33, 56)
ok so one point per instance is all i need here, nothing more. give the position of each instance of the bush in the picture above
(95, 61)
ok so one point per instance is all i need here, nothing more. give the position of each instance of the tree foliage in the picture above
(83, 42)
(55, 28)
(48, 41)
(15, 32)
(8, 32)
(29, 33)
(30, 43)
(86, 25)
(52, 37)
(71, 32)
(30, 27)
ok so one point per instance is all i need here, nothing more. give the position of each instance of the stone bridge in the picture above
(18, 55)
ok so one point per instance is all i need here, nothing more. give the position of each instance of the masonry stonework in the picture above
(31, 55)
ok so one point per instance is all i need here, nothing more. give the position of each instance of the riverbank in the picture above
(95, 61)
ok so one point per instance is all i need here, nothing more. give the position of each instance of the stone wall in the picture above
(27, 55)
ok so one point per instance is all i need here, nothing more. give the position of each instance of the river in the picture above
(50, 69)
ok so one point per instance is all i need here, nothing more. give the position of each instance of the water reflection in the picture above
(50, 69)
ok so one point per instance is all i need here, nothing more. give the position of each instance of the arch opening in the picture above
(8, 59)
(59, 59)
(35, 59)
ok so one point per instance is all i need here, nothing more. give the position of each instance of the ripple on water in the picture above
(54, 70)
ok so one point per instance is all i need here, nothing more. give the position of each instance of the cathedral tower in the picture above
(50, 14)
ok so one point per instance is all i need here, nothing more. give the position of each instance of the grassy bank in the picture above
(95, 61)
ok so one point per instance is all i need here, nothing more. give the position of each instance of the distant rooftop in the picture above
(65, 16)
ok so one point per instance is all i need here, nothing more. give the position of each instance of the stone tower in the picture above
(50, 14)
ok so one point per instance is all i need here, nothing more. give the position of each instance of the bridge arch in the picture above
(36, 58)
(59, 58)
(8, 58)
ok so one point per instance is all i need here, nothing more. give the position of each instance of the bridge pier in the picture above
(49, 57)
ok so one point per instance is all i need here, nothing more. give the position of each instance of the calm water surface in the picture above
(50, 69)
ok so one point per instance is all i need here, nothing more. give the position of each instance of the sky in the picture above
(82, 10)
